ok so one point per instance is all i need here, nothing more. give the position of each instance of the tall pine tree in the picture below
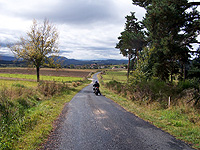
(171, 29)
(131, 40)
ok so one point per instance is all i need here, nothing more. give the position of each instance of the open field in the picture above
(29, 74)
(46, 72)
(119, 76)
(27, 77)
(10, 83)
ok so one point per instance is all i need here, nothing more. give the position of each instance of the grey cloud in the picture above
(87, 28)
(103, 51)
(5, 44)
(65, 51)
(71, 11)
(5, 51)
(9, 36)
(100, 49)
(80, 11)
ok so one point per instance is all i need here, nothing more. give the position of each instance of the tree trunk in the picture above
(128, 67)
(184, 72)
(137, 54)
(38, 74)
(171, 77)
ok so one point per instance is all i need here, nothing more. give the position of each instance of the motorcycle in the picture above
(96, 90)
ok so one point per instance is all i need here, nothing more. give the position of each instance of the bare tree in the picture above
(38, 45)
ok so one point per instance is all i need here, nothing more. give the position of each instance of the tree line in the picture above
(161, 44)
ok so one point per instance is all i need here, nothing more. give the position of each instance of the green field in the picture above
(45, 78)
(9, 83)
(119, 76)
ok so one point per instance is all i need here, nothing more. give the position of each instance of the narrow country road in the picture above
(91, 122)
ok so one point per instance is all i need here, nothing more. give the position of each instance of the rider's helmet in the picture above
(96, 82)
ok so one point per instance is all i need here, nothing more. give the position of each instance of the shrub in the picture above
(78, 83)
(74, 84)
(190, 83)
(118, 87)
(136, 77)
(51, 88)
(144, 91)
(154, 91)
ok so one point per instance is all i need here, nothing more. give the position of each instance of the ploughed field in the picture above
(46, 72)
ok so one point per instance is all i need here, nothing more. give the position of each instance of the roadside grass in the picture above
(45, 78)
(119, 76)
(44, 114)
(180, 120)
(29, 109)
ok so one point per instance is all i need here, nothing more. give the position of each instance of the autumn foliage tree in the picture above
(38, 45)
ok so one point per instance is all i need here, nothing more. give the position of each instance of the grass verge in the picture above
(182, 123)
(46, 113)
(27, 114)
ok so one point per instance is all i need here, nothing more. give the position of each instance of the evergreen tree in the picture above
(194, 71)
(131, 40)
(171, 30)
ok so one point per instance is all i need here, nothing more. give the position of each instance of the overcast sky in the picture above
(88, 29)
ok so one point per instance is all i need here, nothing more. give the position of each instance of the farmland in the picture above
(115, 75)
(29, 74)
(34, 106)
(46, 71)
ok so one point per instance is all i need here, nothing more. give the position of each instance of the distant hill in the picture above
(9, 61)
(7, 58)
(65, 61)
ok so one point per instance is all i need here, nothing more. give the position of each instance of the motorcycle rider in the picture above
(96, 84)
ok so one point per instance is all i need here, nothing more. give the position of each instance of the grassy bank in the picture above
(45, 113)
(28, 110)
(180, 120)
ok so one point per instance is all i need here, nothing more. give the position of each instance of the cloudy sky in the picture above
(87, 29)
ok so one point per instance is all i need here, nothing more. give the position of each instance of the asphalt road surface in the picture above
(91, 122)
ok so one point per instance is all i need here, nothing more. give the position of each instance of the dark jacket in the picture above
(96, 85)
